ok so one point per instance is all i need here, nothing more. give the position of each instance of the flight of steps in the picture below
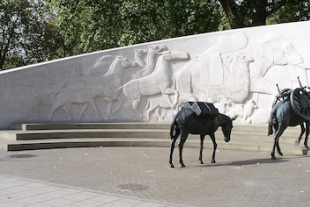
(67, 135)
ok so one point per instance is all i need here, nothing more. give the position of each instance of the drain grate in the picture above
(132, 187)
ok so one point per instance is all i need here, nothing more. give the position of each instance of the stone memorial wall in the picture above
(237, 70)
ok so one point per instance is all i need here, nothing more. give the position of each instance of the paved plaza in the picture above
(137, 176)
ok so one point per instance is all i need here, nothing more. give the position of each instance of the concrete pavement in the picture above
(140, 176)
(19, 192)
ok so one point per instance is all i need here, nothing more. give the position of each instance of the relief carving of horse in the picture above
(84, 89)
(158, 102)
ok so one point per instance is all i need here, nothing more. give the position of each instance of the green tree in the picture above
(95, 25)
(155, 20)
(26, 36)
(246, 13)
(33, 31)
(294, 11)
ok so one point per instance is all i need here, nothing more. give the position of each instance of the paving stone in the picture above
(140, 176)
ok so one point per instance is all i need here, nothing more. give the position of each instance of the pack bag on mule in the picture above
(202, 109)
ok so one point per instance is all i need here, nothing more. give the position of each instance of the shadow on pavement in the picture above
(22, 156)
(246, 162)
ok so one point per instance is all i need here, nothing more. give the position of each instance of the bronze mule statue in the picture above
(187, 122)
(284, 115)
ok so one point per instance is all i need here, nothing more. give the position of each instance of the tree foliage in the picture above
(38, 30)
(96, 25)
(26, 36)
(293, 11)
(245, 13)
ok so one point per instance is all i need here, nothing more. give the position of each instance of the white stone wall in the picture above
(237, 70)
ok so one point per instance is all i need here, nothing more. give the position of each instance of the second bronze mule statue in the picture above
(187, 122)
(283, 115)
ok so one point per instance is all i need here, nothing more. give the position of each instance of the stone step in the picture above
(81, 133)
(68, 126)
(80, 142)
(40, 136)
(240, 136)
(127, 125)
(258, 129)
(142, 142)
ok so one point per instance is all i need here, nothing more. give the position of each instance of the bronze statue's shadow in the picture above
(246, 162)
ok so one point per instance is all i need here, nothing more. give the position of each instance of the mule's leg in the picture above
(274, 143)
(278, 144)
(273, 150)
(307, 134)
(172, 145)
(270, 131)
(181, 145)
(174, 133)
(297, 142)
(277, 136)
(202, 137)
(212, 136)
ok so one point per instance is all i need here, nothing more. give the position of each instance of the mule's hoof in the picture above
(171, 166)
(182, 165)
(297, 143)
(306, 146)
(273, 157)
(201, 162)
(280, 153)
(212, 161)
(305, 151)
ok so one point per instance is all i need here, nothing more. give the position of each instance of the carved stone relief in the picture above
(232, 74)
(238, 73)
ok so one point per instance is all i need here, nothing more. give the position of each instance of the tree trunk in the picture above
(250, 12)
(229, 8)
(260, 14)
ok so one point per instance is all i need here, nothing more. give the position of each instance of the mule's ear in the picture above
(234, 118)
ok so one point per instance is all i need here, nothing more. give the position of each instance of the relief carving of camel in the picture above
(151, 58)
(236, 80)
(155, 83)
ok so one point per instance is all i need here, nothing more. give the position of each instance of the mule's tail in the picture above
(272, 120)
(270, 125)
(174, 129)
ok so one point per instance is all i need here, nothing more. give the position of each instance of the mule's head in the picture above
(227, 131)
(227, 127)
